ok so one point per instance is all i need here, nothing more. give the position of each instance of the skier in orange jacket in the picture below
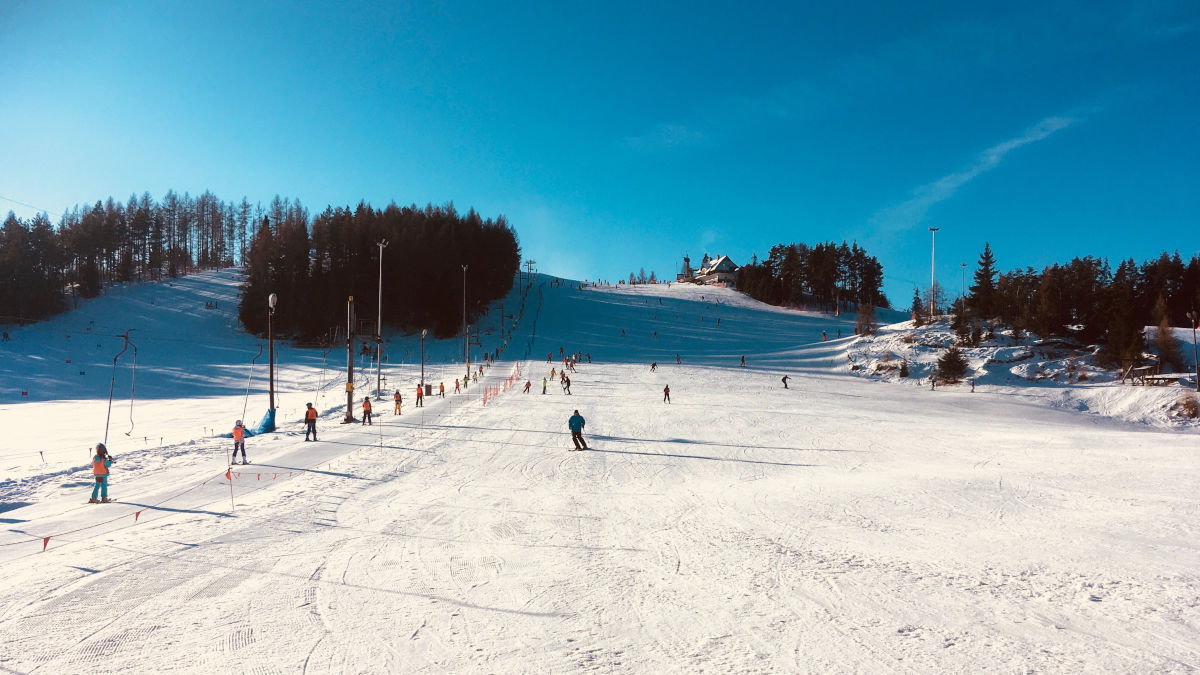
(239, 441)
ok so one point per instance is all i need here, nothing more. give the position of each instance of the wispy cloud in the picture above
(913, 211)
(667, 137)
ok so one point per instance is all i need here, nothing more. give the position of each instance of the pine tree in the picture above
(983, 293)
(952, 366)
(918, 309)
(1164, 340)
(865, 321)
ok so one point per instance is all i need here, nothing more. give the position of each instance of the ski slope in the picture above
(840, 525)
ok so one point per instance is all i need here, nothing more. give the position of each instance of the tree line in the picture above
(310, 263)
(112, 241)
(1085, 299)
(314, 267)
(828, 274)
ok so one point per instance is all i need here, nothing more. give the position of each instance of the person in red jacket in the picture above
(367, 411)
(239, 441)
(310, 422)
(420, 397)
(101, 462)
(667, 394)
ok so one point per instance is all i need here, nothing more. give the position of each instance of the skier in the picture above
(366, 412)
(785, 381)
(823, 336)
(101, 462)
(239, 441)
(420, 397)
(743, 360)
(310, 422)
(654, 366)
(456, 390)
(576, 424)
(527, 385)
(399, 400)
(667, 394)
(442, 389)
(567, 385)
(543, 385)
(677, 360)
(552, 372)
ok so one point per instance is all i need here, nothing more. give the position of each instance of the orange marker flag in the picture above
(227, 474)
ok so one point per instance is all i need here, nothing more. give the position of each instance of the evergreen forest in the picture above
(827, 274)
(311, 264)
(1084, 299)
(314, 267)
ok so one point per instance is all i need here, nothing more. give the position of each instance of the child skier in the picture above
(398, 399)
(367, 411)
(239, 441)
(667, 394)
(310, 422)
(101, 462)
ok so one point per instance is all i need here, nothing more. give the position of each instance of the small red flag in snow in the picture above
(136, 515)
(259, 477)
(228, 477)
(45, 543)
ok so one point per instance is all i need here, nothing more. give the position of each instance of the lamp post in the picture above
(424, 331)
(962, 291)
(349, 360)
(466, 347)
(1195, 316)
(932, 275)
(272, 299)
(382, 244)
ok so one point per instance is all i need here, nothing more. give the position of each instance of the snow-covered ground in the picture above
(841, 525)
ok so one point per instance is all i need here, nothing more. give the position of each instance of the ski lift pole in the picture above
(113, 381)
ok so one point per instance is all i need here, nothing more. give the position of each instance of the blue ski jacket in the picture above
(576, 423)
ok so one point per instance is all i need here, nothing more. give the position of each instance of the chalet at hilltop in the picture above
(719, 271)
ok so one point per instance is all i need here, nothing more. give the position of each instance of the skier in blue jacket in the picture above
(575, 424)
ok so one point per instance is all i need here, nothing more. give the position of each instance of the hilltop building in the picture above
(720, 271)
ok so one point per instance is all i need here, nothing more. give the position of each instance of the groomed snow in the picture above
(841, 525)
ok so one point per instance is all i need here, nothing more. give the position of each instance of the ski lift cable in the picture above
(246, 400)
(113, 381)
(132, 385)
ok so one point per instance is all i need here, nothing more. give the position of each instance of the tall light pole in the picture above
(466, 347)
(932, 275)
(424, 331)
(962, 291)
(272, 299)
(382, 244)
(349, 360)
(1195, 316)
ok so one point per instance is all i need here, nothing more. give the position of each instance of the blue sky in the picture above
(617, 136)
